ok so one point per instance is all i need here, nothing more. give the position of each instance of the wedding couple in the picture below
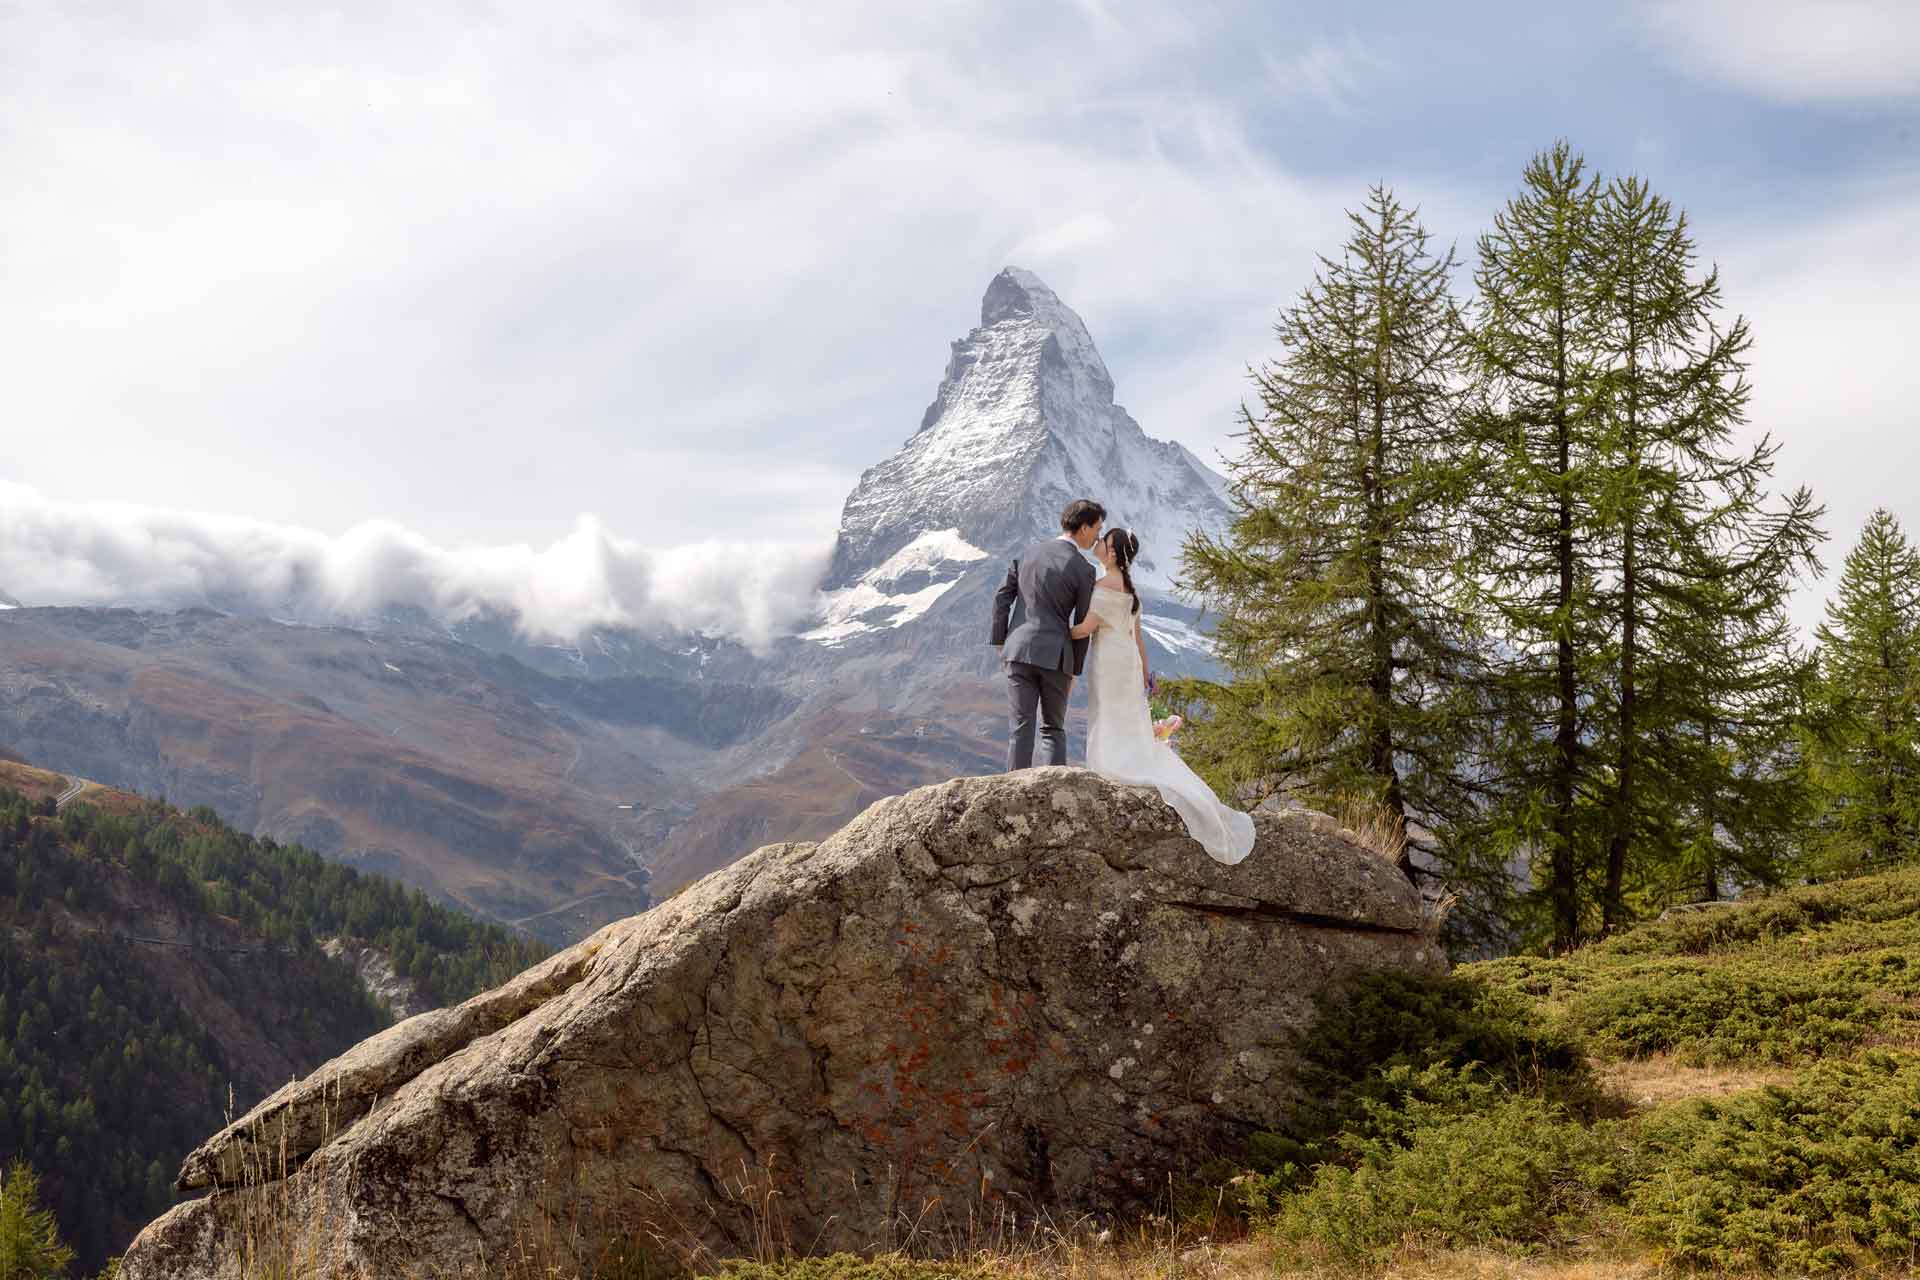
(1050, 612)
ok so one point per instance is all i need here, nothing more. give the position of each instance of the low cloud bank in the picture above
(54, 553)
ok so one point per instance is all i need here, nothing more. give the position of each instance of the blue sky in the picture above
(475, 270)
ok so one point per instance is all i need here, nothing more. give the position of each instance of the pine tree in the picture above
(1701, 670)
(1336, 585)
(1864, 750)
(30, 1247)
(1536, 343)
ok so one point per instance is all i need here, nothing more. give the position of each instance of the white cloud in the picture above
(54, 553)
(455, 266)
(1830, 302)
(1795, 50)
(480, 268)
(1335, 75)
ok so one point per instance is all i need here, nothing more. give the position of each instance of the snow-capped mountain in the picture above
(1023, 423)
(543, 784)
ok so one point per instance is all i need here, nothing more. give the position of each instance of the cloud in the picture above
(1830, 304)
(455, 265)
(1795, 50)
(54, 553)
(1335, 75)
(476, 269)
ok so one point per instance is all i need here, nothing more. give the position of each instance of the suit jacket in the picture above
(1052, 585)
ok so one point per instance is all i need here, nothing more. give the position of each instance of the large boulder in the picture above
(993, 997)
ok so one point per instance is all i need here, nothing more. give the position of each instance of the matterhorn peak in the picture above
(1019, 306)
(1017, 292)
(1023, 422)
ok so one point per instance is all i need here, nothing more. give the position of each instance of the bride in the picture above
(1120, 739)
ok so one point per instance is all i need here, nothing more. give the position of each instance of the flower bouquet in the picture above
(1165, 723)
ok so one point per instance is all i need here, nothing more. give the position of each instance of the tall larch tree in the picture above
(1536, 340)
(1702, 678)
(1864, 749)
(1337, 585)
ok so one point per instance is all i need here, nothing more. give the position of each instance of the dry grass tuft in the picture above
(1656, 1081)
(1373, 826)
(1452, 1264)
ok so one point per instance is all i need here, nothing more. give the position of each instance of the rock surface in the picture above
(1012, 994)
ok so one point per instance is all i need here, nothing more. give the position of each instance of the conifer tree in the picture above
(1864, 754)
(1337, 584)
(30, 1247)
(1700, 669)
(1536, 342)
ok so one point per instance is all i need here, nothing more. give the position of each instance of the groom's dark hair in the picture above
(1080, 513)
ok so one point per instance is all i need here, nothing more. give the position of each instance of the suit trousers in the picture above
(1030, 687)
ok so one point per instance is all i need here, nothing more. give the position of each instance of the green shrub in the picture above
(1789, 978)
(1382, 1039)
(1820, 1175)
(1893, 897)
(1728, 1013)
(1453, 1159)
(1375, 1023)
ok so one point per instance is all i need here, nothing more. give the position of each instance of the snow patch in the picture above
(876, 602)
(1176, 636)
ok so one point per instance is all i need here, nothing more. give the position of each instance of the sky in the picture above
(600, 309)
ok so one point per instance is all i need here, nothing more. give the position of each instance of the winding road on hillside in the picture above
(74, 787)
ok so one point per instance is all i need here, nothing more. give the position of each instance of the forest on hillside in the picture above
(111, 1069)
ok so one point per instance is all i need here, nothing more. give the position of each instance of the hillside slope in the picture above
(158, 969)
(1732, 1088)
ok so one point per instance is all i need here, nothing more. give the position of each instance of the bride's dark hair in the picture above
(1125, 548)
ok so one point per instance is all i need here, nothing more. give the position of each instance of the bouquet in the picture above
(1165, 723)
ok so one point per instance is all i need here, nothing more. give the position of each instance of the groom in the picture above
(1053, 584)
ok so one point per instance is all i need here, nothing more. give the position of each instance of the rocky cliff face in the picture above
(1019, 993)
(374, 968)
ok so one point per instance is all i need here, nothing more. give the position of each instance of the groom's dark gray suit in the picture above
(1048, 589)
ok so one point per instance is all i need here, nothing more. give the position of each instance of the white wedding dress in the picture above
(1120, 741)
